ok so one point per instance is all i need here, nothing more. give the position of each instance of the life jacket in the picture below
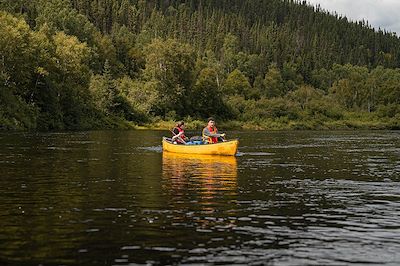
(208, 139)
(181, 136)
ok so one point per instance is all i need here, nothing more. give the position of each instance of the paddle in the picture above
(223, 137)
(178, 137)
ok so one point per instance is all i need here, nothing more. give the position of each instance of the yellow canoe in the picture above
(220, 148)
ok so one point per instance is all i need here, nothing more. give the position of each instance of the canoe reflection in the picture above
(206, 175)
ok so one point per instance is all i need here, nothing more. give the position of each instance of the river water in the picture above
(114, 198)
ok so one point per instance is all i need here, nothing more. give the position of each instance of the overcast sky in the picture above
(379, 13)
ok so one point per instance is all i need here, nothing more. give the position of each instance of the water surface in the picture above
(113, 198)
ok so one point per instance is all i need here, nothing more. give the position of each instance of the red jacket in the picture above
(182, 136)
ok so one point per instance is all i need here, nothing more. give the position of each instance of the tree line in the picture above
(83, 64)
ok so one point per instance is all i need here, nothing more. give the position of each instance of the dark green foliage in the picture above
(237, 84)
(207, 95)
(73, 64)
(171, 65)
(15, 113)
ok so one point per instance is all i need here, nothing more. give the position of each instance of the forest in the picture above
(266, 64)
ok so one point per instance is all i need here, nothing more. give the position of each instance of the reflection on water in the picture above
(206, 177)
(113, 198)
(213, 173)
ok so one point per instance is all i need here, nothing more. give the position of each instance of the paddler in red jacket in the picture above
(210, 132)
(179, 133)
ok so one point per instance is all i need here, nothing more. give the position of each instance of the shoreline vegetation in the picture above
(132, 64)
(351, 123)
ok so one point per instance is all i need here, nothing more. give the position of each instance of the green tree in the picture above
(59, 15)
(304, 94)
(104, 92)
(72, 80)
(322, 79)
(229, 52)
(273, 82)
(142, 97)
(352, 90)
(18, 48)
(207, 96)
(237, 83)
(291, 77)
(170, 64)
(384, 86)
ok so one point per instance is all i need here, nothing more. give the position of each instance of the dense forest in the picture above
(87, 64)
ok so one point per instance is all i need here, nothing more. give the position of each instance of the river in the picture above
(114, 198)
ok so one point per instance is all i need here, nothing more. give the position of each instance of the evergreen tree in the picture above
(69, 64)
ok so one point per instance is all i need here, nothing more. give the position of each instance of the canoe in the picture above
(197, 160)
(220, 148)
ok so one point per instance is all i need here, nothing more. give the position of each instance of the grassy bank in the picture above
(350, 121)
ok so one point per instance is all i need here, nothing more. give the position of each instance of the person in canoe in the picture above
(179, 133)
(210, 133)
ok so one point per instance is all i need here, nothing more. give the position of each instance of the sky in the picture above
(382, 14)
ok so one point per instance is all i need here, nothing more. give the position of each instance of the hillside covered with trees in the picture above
(86, 64)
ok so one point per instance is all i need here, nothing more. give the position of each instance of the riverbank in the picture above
(350, 122)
